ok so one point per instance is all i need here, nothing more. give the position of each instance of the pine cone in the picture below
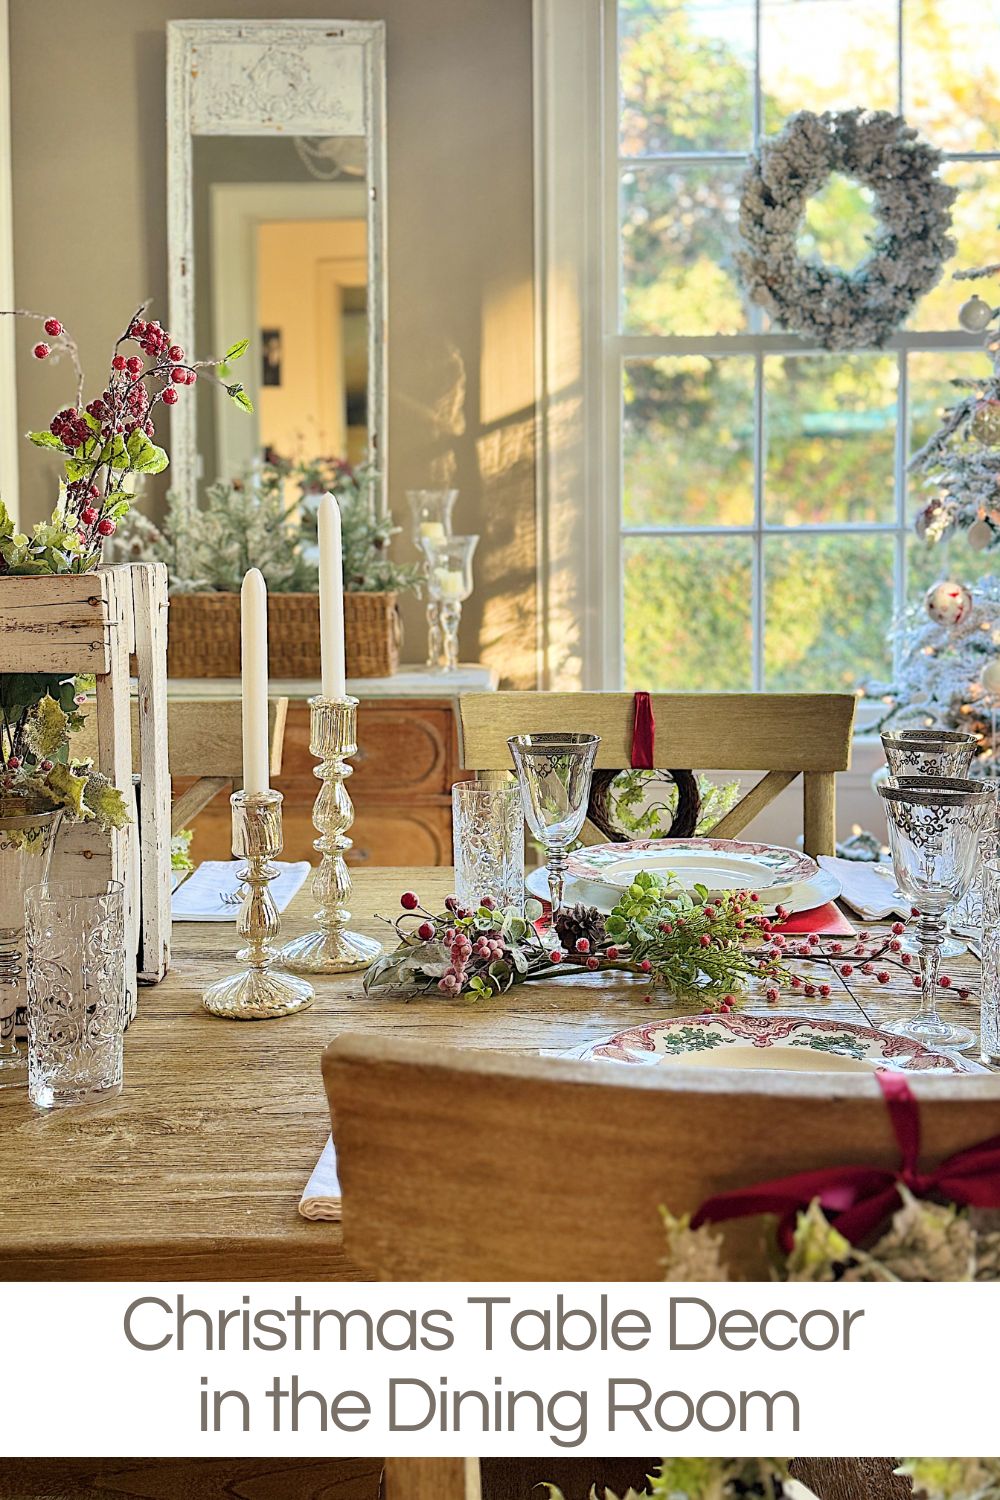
(580, 921)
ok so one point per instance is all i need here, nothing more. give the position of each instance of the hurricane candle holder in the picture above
(332, 948)
(259, 992)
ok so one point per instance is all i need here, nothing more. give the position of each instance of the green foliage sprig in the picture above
(770, 1479)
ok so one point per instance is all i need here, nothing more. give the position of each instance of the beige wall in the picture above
(89, 143)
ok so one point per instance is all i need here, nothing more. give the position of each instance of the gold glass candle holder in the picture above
(332, 948)
(258, 993)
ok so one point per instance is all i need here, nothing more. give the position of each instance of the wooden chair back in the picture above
(783, 735)
(460, 1165)
(431, 1479)
(204, 742)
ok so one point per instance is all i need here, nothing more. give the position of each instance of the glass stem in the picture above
(931, 929)
(556, 860)
(433, 634)
(451, 613)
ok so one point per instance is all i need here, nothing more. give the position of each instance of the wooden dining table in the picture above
(196, 1169)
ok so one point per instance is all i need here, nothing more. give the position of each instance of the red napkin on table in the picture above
(826, 921)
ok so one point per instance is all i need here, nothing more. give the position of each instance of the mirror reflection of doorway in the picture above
(311, 292)
(289, 268)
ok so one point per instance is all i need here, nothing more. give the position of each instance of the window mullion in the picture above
(757, 594)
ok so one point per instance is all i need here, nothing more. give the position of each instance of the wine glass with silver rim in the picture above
(929, 752)
(935, 826)
(554, 773)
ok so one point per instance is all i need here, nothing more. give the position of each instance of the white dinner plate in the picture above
(804, 896)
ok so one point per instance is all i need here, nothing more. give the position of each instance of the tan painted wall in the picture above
(89, 144)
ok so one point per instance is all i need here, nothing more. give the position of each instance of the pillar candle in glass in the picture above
(331, 599)
(253, 633)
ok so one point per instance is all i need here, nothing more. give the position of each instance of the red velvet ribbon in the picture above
(859, 1199)
(643, 733)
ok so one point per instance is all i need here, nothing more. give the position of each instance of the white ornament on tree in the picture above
(948, 602)
(990, 678)
(975, 314)
(980, 535)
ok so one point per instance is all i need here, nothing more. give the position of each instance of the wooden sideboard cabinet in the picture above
(406, 764)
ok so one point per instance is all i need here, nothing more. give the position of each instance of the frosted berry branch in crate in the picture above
(105, 441)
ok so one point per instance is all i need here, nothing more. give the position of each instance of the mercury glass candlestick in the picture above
(259, 992)
(332, 948)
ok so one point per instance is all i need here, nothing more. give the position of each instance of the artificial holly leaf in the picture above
(143, 454)
(69, 788)
(45, 439)
(240, 397)
(237, 350)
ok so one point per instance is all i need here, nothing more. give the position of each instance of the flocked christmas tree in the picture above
(949, 646)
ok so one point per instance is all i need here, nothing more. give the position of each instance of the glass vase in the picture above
(27, 840)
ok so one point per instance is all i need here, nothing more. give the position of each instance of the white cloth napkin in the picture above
(867, 887)
(202, 897)
(321, 1199)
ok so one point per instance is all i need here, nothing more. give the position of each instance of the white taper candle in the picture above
(253, 634)
(331, 599)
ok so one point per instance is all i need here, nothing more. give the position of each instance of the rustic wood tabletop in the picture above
(195, 1171)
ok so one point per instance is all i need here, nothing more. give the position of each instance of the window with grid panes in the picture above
(766, 515)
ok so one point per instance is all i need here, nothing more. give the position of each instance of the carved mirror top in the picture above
(260, 77)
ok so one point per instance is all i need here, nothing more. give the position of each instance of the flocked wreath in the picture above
(831, 307)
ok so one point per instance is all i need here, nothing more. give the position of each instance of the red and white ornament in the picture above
(948, 602)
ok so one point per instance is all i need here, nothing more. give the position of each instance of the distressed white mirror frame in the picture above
(295, 78)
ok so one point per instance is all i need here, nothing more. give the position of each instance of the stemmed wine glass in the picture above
(929, 752)
(554, 772)
(449, 584)
(430, 519)
(935, 824)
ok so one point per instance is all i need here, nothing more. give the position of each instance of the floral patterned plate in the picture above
(787, 1043)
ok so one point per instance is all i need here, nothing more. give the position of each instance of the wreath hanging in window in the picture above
(832, 307)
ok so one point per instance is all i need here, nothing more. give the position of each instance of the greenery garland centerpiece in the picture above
(832, 307)
(104, 445)
(695, 948)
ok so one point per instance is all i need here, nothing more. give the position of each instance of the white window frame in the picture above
(9, 438)
(580, 353)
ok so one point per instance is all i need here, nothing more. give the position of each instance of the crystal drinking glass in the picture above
(488, 821)
(989, 1028)
(449, 582)
(929, 752)
(430, 518)
(26, 844)
(75, 946)
(554, 772)
(935, 824)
